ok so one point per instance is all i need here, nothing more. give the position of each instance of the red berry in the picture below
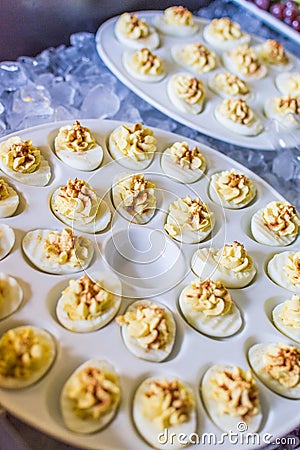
(296, 23)
(262, 4)
(277, 10)
(290, 13)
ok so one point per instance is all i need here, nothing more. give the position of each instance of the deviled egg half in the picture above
(187, 93)
(288, 83)
(11, 295)
(277, 365)
(286, 317)
(148, 330)
(176, 21)
(26, 354)
(276, 224)
(284, 109)
(164, 406)
(57, 252)
(78, 205)
(144, 65)
(209, 308)
(231, 265)
(236, 115)
(272, 53)
(223, 34)
(189, 220)
(182, 163)
(134, 198)
(89, 302)
(228, 85)
(135, 33)
(243, 61)
(7, 240)
(23, 162)
(133, 146)
(195, 57)
(9, 199)
(90, 397)
(284, 270)
(230, 396)
(76, 146)
(231, 189)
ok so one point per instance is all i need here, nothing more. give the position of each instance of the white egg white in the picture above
(224, 45)
(282, 81)
(7, 240)
(40, 177)
(224, 421)
(180, 104)
(11, 295)
(73, 421)
(45, 339)
(213, 193)
(108, 281)
(205, 265)
(287, 330)
(277, 67)
(151, 41)
(256, 359)
(215, 326)
(176, 52)
(179, 31)
(264, 235)
(276, 272)
(287, 120)
(149, 354)
(148, 78)
(85, 160)
(178, 173)
(215, 88)
(33, 247)
(149, 430)
(229, 64)
(251, 129)
(9, 204)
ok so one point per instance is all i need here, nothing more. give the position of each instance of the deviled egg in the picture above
(135, 33)
(195, 57)
(78, 205)
(176, 21)
(228, 85)
(23, 162)
(284, 269)
(134, 198)
(90, 397)
(189, 220)
(187, 93)
(272, 53)
(132, 146)
(164, 407)
(26, 354)
(7, 240)
(208, 307)
(148, 330)
(182, 163)
(11, 295)
(288, 83)
(231, 189)
(89, 302)
(284, 109)
(243, 61)
(276, 224)
(9, 199)
(286, 317)
(144, 65)
(223, 34)
(278, 367)
(231, 265)
(230, 396)
(57, 252)
(236, 115)
(76, 146)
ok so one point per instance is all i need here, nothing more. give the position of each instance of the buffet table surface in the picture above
(71, 82)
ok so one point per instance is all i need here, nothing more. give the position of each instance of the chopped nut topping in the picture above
(230, 84)
(64, 248)
(20, 156)
(293, 269)
(236, 392)
(281, 218)
(293, 85)
(236, 110)
(287, 104)
(75, 138)
(208, 297)
(290, 314)
(146, 63)
(273, 52)
(167, 403)
(189, 89)
(234, 257)
(187, 159)
(225, 30)
(137, 143)
(245, 60)
(94, 392)
(199, 57)
(132, 27)
(148, 324)
(283, 364)
(234, 187)
(3, 189)
(178, 15)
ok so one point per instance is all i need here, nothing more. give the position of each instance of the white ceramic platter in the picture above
(193, 352)
(111, 52)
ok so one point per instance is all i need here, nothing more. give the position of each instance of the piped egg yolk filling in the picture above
(148, 324)
(3, 189)
(146, 63)
(230, 84)
(236, 110)
(189, 89)
(132, 27)
(20, 156)
(75, 138)
(94, 393)
(236, 392)
(224, 29)
(137, 195)
(64, 248)
(273, 52)
(186, 158)
(199, 57)
(167, 403)
(287, 104)
(178, 15)
(281, 218)
(234, 187)
(208, 297)
(293, 85)
(290, 314)
(245, 60)
(137, 143)
(292, 269)
(282, 363)
(234, 257)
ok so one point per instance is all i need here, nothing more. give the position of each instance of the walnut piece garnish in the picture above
(281, 218)
(132, 27)
(236, 392)
(199, 57)
(236, 110)
(230, 84)
(189, 89)
(292, 269)
(137, 143)
(146, 63)
(290, 314)
(178, 15)
(186, 158)
(245, 60)
(293, 85)
(75, 138)
(148, 324)
(3, 189)
(64, 248)
(94, 392)
(208, 297)
(234, 257)
(287, 104)
(20, 156)
(167, 403)
(273, 52)
(234, 187)
(225, 30)
(283, 364)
